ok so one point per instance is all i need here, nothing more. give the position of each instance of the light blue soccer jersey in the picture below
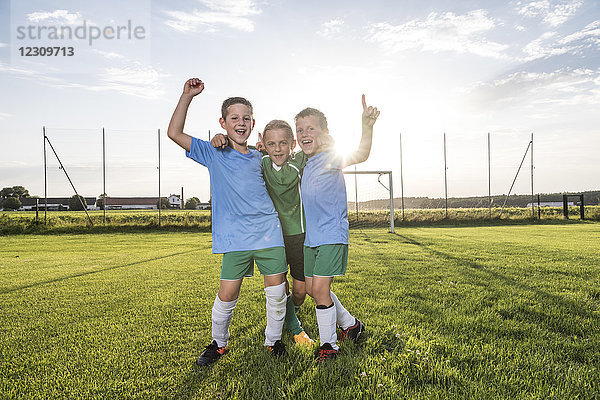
(243, 215)
(324, 197)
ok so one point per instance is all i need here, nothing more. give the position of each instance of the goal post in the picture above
(370, 199)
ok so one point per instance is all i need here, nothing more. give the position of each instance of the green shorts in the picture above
(326, 260)
(238, 264)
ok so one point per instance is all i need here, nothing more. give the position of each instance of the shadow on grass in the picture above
(553, 324)
(64, 278)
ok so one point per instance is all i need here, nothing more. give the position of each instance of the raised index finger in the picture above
(364, 103)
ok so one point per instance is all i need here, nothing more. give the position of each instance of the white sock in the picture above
(326, 320)
(343, 318)
(276, 299)
(222, 312)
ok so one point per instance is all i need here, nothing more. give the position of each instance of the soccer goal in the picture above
(370, 199)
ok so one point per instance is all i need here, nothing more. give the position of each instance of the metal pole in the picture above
(356, 192)
(159, 199)
(45, 177)
(532, 198)
(445, 175)
(103, 176)
(181, 205)
(489, 176)
(70, 181)
(514, 180)
(391, 203)
(401, 178)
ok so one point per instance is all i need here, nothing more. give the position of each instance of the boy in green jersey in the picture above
(282, 172)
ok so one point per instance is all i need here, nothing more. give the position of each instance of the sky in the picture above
(463, 69)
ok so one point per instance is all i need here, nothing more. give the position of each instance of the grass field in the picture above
(451, 312)
(16, 222)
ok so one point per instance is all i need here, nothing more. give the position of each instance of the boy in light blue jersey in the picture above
(325, 205)
(245, 226)
(282, 172)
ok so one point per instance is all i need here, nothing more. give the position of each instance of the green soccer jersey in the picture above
(283, 185)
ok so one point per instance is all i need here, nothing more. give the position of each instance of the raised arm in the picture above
(369, 116)
(192, 87)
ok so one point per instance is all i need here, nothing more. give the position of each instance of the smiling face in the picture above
(279, 145)
(238, 124)
(308, 131)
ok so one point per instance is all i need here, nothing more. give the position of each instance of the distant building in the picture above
(54, 203)
(203, 206)
(131, 203)
(175, 201)
(551, 204)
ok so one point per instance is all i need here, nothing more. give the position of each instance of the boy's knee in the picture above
(299, 292)
(228, 295)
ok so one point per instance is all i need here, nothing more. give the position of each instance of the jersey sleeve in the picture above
(336, 160)
(299, 160)
(201, 151)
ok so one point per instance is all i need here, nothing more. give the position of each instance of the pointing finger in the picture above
(364, 102)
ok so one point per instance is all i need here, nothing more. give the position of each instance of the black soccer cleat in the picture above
(277, 349)
(353, 332)
(326, 352)
(211, 353)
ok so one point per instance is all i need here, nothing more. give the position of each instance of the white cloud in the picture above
(564, 86)
(57, 16)
(230, 13)
(441, 32)
(4, 115)
(109, 54)
(539, 48)
(548, 45)
(331, 28)
(588, 35)
(135, 80)
(3, 44)
(554, 13)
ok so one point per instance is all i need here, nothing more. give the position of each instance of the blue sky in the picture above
(464, 68)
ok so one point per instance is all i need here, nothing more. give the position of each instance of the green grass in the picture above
(194, 220)
(451, 312)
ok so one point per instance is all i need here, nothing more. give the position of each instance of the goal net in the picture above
(370, 195)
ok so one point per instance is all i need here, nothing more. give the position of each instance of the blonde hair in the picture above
(278, 124)
(315, 113)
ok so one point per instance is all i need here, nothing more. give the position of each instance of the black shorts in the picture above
(294, 253)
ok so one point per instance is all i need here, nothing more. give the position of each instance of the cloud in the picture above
(590, 35)
(4, 115)
(56, 17)
(134, 80)
(549, 44)
(554, 13)
(331, 28)
(230, 13)
(108, 54)
(564, 86)
(440, 32)
(3, 44)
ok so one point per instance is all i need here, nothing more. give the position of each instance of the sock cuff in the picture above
(225, 305)
(276, 291)
(324, 307)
